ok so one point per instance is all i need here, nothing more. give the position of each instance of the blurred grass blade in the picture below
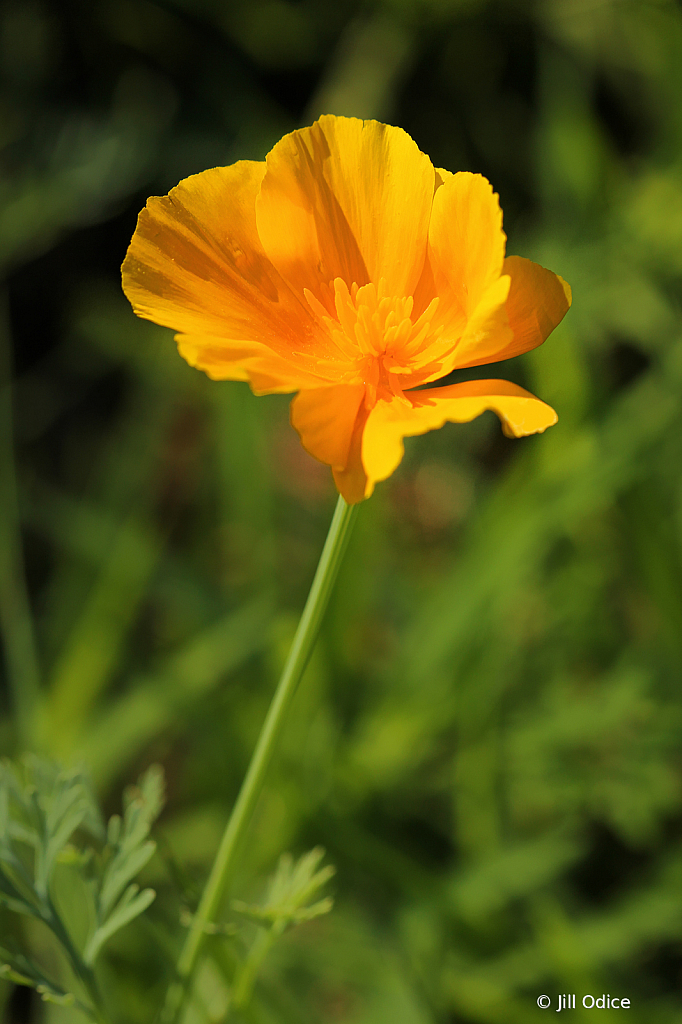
(243, 478)
(15, 614)
(529, 509)
(155, 703)
(91, 652)
(372, 57)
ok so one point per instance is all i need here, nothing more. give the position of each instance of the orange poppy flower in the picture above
(347, 268)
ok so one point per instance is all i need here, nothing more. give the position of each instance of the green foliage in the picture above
(22, 971)
(41, 809)
(290, 889)
(487, 739)
(118, 899)
(287, 903)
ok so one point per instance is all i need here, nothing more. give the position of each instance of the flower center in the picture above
(375, 333)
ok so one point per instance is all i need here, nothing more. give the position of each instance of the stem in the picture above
(83, 972)
(246, 978)
(223, 866)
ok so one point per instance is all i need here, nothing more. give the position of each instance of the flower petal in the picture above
(487, 332)
(350, 199)
(538, 301)
(324, 419)
(196, 264)
(351, 482)
(382, 445)
(265, 370)
(466, 242)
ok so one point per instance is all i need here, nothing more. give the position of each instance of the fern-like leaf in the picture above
(290, 890)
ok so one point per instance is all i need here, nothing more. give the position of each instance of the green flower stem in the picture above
(223, 866)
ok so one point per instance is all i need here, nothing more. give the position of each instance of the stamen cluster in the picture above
(374, 333)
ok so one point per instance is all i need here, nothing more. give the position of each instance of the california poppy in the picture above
(347, 268)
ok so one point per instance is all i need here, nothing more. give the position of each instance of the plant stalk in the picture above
(83, 972)
(301, 648)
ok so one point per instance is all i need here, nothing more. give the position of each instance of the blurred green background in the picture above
(487, 741)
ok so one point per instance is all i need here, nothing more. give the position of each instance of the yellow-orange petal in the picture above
(425, 289)
(466, 244)
(324, 419)
(196, 264)
(442, 175)
(351, 482)
(389, 422)
(266, 371)
(538, 300)
(350, 199)
(486, 333)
